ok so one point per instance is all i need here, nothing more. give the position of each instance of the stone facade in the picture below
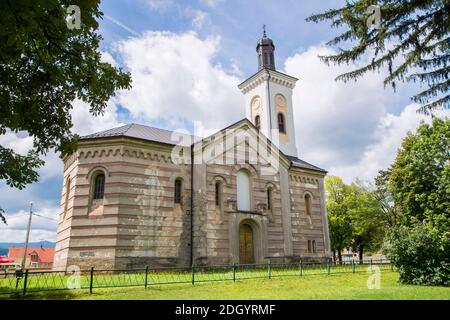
(137, 223)
(135, 196)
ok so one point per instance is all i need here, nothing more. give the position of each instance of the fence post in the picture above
(193, 274)
(269, 269)
(25, 282)
(301, 268)
(328, 267)
(234, 272)
(91, 282)
(146, 276)
(370, 264)
(353, 266)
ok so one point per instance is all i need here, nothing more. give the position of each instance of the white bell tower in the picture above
(268, 98)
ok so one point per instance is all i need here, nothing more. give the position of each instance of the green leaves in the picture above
(18, 170)
(44, 67)
(419, 182)
(420, 256)
(354, 216)
(420, 175)
(412, 43)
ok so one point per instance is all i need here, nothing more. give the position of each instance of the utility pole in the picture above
(27, 236)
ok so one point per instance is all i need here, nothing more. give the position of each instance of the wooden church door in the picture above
(246, 255)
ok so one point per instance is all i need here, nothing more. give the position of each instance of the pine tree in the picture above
(411, 41)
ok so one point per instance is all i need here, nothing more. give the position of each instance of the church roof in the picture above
(139, 131)
(143, 132)
(299, 163)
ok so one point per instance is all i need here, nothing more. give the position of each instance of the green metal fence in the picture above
(29, 281)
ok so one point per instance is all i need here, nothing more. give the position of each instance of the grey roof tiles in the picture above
(143, 132)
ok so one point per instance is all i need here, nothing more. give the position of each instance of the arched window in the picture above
(308, 204)
(218, 195)
(258, 122)
(269, 198)
(177, 192)
(99, 186)
(281, 123)
(243, 190)
(312, 246)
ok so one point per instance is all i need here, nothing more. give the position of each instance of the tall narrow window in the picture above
(313, 246)
(243, 190)
(258, 122)
(308, 204)
(99, 186)
(281, 123)
(269, 199)
(177, 193)
(309, 246)
(218, 195)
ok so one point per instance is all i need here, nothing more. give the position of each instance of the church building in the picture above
(137, 196)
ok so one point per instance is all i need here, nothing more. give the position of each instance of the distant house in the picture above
(37, 257)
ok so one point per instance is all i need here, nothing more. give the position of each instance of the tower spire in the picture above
(265, 50)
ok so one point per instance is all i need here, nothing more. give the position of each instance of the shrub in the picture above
(420, 255)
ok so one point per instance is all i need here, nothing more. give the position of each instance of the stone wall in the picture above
(308, 227)
(137, 222)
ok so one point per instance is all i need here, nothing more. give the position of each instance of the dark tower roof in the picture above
(265, 50)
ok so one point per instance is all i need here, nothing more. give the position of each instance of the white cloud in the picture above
(159, 5)
(85, 123)
(41, 228)
(107, 57)
(346, 128)
(389, 135)
(175, 79)
(200, 19)
(212, 3)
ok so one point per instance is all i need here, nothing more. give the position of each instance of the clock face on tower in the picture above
(280, 101)
(256, 103)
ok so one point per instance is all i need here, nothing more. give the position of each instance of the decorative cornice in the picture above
(125, 152)
(264, 75)
(303, 179)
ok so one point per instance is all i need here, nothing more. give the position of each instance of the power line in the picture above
(38, 215)
(20, 215)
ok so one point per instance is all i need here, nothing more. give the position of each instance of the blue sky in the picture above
(186, 59)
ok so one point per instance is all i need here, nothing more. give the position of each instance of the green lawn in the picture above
(321, 286)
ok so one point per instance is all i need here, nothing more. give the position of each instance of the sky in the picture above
(186, 59)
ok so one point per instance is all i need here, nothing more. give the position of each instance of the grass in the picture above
(50, 281)
(320, 286)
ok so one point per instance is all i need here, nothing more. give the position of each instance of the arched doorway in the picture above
(246, 244)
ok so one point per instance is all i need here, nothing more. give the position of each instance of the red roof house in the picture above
(38, 257)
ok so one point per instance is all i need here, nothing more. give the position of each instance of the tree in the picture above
(419, 255)
(385, 198)
(339, 222)
(44, 67)
(2, 217)
(419, 178)
(419, 181)
(355, 217)
(368, 219)
(412, 42)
